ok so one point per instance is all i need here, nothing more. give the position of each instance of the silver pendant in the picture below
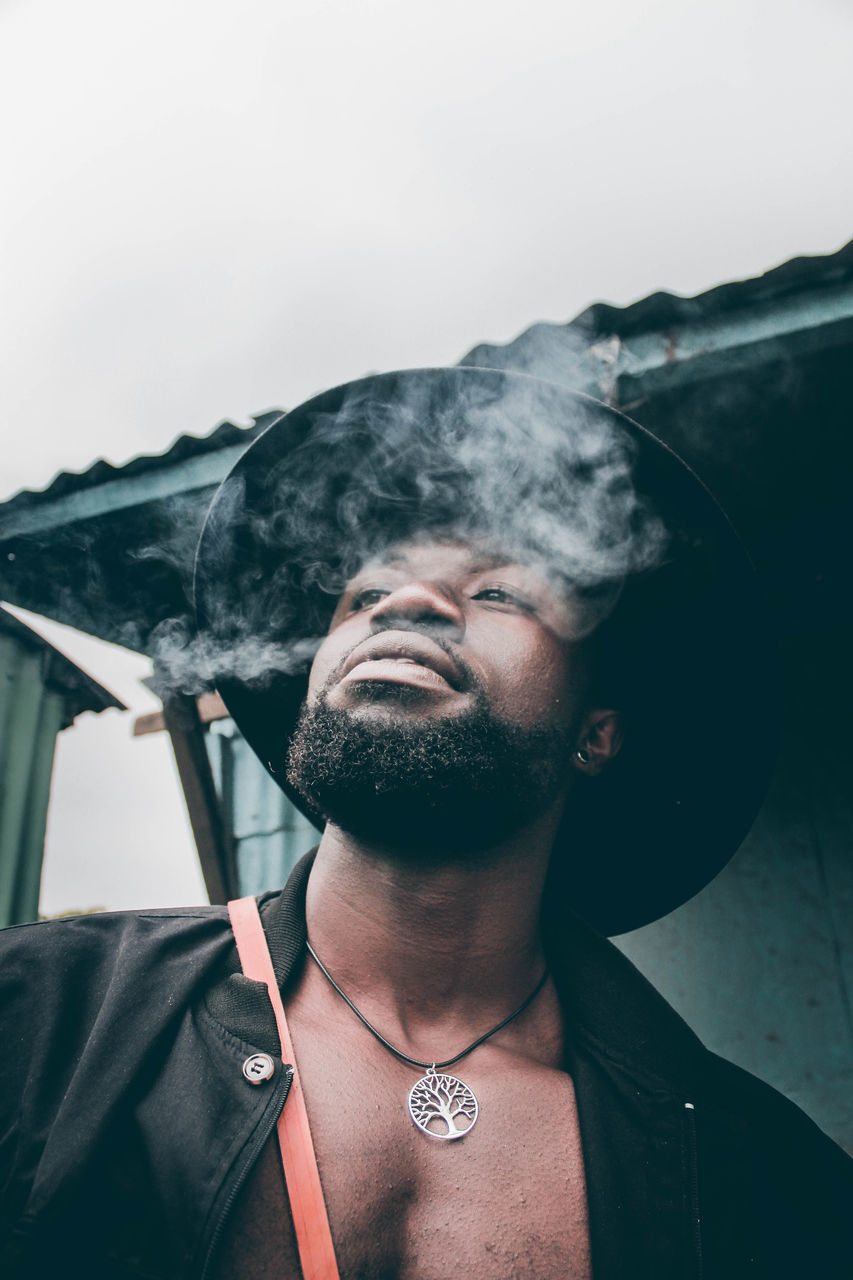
(445, 1103)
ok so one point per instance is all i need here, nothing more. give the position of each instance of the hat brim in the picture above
(694, 640)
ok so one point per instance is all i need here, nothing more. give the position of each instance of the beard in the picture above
(431, 785)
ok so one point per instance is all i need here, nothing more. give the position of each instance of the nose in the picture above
(421, 605)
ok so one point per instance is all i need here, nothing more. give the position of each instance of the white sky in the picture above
(212, 209)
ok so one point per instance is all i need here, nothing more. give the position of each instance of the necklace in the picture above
(436, 1099)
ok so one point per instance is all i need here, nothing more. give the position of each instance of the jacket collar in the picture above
(610, 1006)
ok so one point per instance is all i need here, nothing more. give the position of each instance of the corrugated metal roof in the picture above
(41, 691)
(666, 311)
(662, 309)
(659, 312)
(119, 540)
(101, 472)
(727, 378)
(58, 673)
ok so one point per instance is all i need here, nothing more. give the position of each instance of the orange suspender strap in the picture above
(307, 1205)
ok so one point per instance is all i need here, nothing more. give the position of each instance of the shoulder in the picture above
(105, 927)
(93, 1010)
(107, 945)
(83, 1001)
(771, 1185)
(60, 979)
(764, 1117)
(759, 1148)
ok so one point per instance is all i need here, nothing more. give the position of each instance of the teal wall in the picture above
(269, 835)
(31, 715)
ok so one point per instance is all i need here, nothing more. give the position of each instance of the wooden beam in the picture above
(213, 840)
(210, 707)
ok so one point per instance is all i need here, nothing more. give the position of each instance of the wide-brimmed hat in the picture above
(571, 484)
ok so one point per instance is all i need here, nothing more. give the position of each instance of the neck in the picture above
(431, 942)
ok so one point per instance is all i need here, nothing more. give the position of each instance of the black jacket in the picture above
(127, 1127)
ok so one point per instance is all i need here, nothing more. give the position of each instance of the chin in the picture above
(439, 784)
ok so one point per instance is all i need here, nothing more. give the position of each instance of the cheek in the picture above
(550, 689)
(537, 686)
(325, 661)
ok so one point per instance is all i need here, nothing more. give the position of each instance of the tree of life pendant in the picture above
(442, 1106)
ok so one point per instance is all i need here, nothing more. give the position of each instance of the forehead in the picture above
(450, 557)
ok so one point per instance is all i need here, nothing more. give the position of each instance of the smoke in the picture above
(572, 355)
(511, 463)
(188, 662)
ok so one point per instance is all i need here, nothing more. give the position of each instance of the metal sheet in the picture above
(30, 718)
(269, 834)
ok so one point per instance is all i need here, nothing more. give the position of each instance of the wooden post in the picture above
(213, 840)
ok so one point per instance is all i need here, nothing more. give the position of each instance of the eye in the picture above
(500, 595)
(366, 598)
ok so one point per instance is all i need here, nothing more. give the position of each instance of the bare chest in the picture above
(505, 1202)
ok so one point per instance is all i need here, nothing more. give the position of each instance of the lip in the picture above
(402, 657)
(395, 671)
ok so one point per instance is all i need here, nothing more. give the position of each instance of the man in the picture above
(525, 675)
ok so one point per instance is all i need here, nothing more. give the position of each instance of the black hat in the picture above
(557, 477)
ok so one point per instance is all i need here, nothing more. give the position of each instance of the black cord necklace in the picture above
(435, 1099)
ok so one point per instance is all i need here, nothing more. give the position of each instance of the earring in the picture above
(582, 755)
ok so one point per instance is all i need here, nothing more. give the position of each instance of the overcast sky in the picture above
(210, 210)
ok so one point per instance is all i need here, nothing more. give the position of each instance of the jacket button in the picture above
(258, 1068)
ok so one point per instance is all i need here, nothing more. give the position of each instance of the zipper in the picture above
(691, 1174)
(255, 1147)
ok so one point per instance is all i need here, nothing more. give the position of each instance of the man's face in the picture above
(443, 704)
(428, 630)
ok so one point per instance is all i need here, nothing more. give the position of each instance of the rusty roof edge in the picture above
(662, 312)
(792, 315)
(798, 275)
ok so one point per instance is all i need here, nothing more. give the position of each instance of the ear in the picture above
(599, 740)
